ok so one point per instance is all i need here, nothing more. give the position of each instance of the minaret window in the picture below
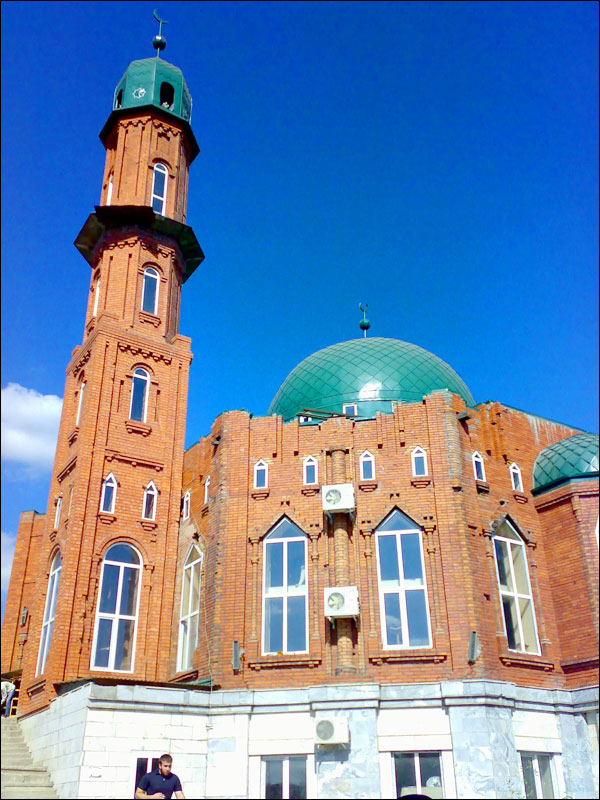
(167, 96)
(285, 596)
(150, 291)
(515, 477)
(57, 512)
(419, 462)
(80, 402)
(109, 495)
(185, 509)
(190, 610)
(49, 612)
(402, 586)
(311, 471)
(261, 475)
(149, 506)
(350, 409)
(478, 467)
(96, 298)
(119, 99)
(206, 488)
(139, 395)
(116, 616)
(109, 190)
(515, 590)
(367, 466)
(159, 188)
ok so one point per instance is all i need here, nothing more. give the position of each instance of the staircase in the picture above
(19, 777)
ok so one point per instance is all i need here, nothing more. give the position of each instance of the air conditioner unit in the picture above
(341, 601)
(338, 497)
(331, 730)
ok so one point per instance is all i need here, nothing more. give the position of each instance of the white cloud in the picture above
(8, 550)
(29, 427)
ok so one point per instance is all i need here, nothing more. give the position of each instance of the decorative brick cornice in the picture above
(67, 469)
(138, 427)
(150, 319)
(309, 491)
(420, 483)
(148, 524)
(106, 518)
(367, 486)
(144, 352)
(408, 658)
(73, 435)
(578, 664)
(260, 494)
(528, 663)
(276, 661)
(483, 487)
(113, 455)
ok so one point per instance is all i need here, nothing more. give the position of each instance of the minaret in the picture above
(107, 554)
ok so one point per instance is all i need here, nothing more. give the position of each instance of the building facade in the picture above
(378, 589)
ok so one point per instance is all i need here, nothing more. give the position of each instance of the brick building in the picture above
(379, 588)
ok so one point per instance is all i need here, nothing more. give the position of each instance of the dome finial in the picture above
(364, 324)
(159, 42)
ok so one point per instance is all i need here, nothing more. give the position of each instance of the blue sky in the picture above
(438, 161)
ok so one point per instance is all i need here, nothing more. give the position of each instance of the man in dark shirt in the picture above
(161, 783)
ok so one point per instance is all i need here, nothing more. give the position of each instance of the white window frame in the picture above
(141, 375)
(477, 459)
(151, 274)
(57, 512)
(370, 458)
(49, 613)
(515, 595)
(284, 591)
(96, 298)
(401, 590)
(117, 616)
(303, 418)
(261, 466)
(420, 789)
(536, 772)
(191, 616)
(185, 510)
(285, 782)
(418, 452)
(80, 403)
(206, 488)
(109, 189)
(516, 478)
(310, 462)
(160, 167)
(110, 480)
(150, 491)
(346, 409)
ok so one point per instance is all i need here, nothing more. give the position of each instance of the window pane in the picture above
(392, 618)
(528, 777)
(110, 581)
(297, 777)
(411, 558)
(137, 398)
(296, 622)
(431, 771)
(260, 478)
(503, 565)
(520, 568)
(273, 778)
(388, 559)
(274, 570)
(397, 522)
(108, 496)
(295, 565)
(103, 643)
(478, 469)
(516, 480)
(185, 596)
(140, 770)
(274, 624)
(284, 530)
(42, 653)
(183, 644)
(545, 776)
(129, 590)
(193, 635)
(419, 465)
(53, 594)
(124, 654)
(310, 473)
(149, 298)
(149, 505)
(367, 469)
(195, 587)
(122, 553)
(405, 773)
(512, 626)
(528, 624)
(159, 183)
(418, 635)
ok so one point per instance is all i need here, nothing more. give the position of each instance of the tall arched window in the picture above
(117, 611)
(367, 466)
(206, 488)
(139, 395)
(261, 475)
(185, 506)
(159, 188)
(57, 512)
(109, 189)
(402, 585)
(80, 402)
(285, 592)
(190, 609)
(310, 469)
(478, 467)
(515, 590)
(109, 494)
(515, 477)
(96, 298)
(149, 505)
(150, 291)
(167, 95)
(49, 612)
(419, 462)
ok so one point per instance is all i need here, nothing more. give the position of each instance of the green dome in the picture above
(575, 457)
(153, 81)
(369, 372)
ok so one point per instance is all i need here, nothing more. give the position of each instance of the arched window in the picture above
(159, 188)
(109, 189)
(167, 96)
(149, 505)
(139, 394)
(119, 99)
(185, 507)
(190, 609)
(49, 612)
(109, 495)
(402, 585)
(261, 475)
(80, 402)
(367, 466)
(285, 592)
(57, 512)
(515, 590)
(478, 467)
(116, 614)
(310, 469)
(150, 291)
(515, 477)
(206, 488)
(419, 462)
(96, 298)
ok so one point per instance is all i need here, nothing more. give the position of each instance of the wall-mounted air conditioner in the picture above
(331, 730)
(338, 497)
(341, 601)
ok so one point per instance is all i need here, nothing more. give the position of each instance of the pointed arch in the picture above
(367, 466)
(49, 612)
(189, 614)
(310, 471)
(185, 505)
(261, 475)
(516, 477)
(150, 501)
(478, 467)
(109, 494)
(140, 386)
(419, 462)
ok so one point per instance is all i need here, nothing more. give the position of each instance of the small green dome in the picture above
(153, 81)
(369, 372)
(575, 457)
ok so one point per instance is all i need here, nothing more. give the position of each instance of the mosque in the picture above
(380, 588)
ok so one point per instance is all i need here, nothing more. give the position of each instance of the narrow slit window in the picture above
(419, 462)
(109, 495)
(310, 470)
(80, 402)
(49, 613)
(96, 298)
(515, 477)
(119, 99)
(149, 505)
(139, 395)
(57, 513)
(367, 466)
(478, 467)
(206, 488)
(261, 475)
(185, 509)
(109, 190)
(159, 188)
(150, 291)
(167, 95)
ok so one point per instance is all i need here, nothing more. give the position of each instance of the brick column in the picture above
(341, 566)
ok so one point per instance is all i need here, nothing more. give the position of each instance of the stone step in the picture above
(25, 777)
(19, 777)
(25, 792)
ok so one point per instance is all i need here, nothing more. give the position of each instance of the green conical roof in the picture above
(575, 457)
(369, 372)
(153, 81)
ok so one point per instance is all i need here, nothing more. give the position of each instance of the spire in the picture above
(159, 42)
(364, 324)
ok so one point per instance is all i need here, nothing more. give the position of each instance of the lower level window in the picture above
(284, 777)
(143, 766)
(537, 775)
(418, 773)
